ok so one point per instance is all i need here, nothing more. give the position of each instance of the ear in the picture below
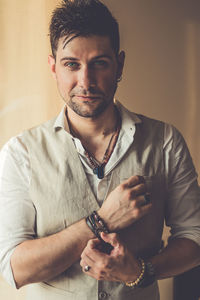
(52, 64)
(121, 59)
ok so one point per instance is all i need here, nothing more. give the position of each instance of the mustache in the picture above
(91, 92)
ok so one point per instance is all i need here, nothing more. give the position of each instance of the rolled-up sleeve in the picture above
(183, 199)
(17, 212)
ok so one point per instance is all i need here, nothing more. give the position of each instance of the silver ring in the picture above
(87, 268)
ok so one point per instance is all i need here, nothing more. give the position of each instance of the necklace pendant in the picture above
(99, 171)
(95, 170)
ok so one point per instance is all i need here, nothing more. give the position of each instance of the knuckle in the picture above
(104, 265)
(137, 178)
(136, 213)
(133, 204)
(133, 193)
(140, 179)
(114, 235)
(89, 244)
(142, 186)
(121, 187)
(99, 276)
(129, 194)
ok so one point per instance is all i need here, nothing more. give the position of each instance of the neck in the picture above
(85, 128)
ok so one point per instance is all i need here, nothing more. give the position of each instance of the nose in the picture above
(86, 78)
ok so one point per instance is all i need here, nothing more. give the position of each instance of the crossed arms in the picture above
(42, 259)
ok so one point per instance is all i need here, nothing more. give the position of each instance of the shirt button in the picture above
(102, 295)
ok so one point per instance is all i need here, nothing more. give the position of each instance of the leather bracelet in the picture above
(90, 221)
(138, 280)
(100, 222)
(96, 224)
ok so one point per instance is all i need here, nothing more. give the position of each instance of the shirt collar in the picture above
(128, 118)
(61, 120)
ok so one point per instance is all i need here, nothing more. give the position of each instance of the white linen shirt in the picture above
(17, 212)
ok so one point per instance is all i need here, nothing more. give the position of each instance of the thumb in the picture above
(111, 238)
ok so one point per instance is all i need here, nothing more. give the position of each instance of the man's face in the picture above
(86, 70)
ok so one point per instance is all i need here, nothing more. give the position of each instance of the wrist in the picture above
(97, 225)
(107, 219)
(134, 282)
(146, 277)
(149, 275)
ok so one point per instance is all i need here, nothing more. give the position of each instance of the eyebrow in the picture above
(76, 59)
(69, 58)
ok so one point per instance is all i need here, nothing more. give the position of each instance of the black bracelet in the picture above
(93, 225)
(100, 221)
(149, 275)
(90, 222)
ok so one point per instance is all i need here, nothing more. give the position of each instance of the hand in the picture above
(125, 204)
(120, 265)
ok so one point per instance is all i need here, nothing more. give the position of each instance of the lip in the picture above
(88, 97)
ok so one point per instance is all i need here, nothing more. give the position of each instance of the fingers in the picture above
(92, 259)
(109, 267)
(138, 190)
(92, 250)
(111, 238)
(125, 204)
(136, 186)
(98, 264)
(94, 243)
(133, 181)
(142, 200)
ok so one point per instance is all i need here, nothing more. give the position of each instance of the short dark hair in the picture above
(83, 18)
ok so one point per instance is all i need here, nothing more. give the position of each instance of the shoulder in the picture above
(46, 126)
(139, 119)
(171, 137)
(16, 147)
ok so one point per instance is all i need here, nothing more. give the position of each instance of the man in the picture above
(76, 222)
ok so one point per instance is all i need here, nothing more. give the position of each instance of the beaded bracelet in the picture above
(140, 277)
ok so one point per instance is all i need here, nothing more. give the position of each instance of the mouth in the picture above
(87, 98)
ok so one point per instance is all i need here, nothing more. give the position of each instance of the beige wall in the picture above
(162, 44)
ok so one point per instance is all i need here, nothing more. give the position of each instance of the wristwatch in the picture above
(149, 275)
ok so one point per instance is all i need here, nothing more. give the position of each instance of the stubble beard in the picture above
(91, 109)
(86, 110)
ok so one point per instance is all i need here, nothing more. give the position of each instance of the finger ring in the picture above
(87, 268)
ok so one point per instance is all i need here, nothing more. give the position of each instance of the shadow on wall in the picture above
(192, 88)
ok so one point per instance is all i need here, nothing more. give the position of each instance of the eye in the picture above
(100, 63)
(71, 65)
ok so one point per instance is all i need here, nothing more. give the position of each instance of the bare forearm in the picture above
(179, 256)
(41, 259)
(121, 265)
